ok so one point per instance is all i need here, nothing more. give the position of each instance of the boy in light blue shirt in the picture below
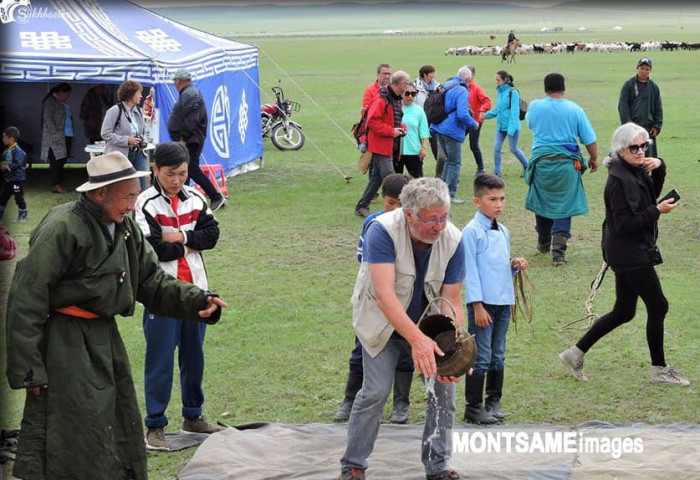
(489, 297)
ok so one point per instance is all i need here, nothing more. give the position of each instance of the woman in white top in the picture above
(123, 127)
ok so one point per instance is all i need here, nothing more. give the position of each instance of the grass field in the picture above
(285, 261)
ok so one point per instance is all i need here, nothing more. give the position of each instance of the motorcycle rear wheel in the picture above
(291, 139)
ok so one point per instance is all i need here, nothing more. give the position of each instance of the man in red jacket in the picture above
(384, 137)
(372, 91)
(479, 104)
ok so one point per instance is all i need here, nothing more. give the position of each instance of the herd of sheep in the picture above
(562, 47)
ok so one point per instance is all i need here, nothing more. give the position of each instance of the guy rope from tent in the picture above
(346, 177)
(524, 292)
(590, 317)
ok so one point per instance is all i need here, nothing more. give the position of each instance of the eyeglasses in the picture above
(635, 148)
(410, 94)
(433, 221)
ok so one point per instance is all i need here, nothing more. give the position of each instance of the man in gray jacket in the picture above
(187, 124)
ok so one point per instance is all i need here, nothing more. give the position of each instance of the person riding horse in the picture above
(509, 47)
(511, 41)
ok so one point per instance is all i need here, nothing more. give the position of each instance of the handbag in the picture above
(364, 161)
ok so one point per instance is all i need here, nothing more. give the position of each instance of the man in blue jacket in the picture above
(451, 132)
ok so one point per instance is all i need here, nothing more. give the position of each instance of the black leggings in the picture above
(629, 286)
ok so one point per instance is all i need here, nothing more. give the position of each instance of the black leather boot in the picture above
(352, 386)
(559, 248)
(474, 394)
(494, 390)
(544, 242)
(402, 391)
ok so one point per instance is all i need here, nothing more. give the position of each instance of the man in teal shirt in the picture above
(556, 166)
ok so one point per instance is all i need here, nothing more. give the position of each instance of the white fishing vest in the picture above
(371, 326)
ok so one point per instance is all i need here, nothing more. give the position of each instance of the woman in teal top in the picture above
(414, 144)
(508, 112)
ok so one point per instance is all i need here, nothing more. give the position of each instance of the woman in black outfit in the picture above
(629, 247)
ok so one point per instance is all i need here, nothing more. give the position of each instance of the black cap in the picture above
(644, 61)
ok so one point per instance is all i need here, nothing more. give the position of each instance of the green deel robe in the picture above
(87, 424)
(556, 189)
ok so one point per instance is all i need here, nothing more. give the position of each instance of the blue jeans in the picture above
(163, 334)
(379, 167)
(490, 340)
(453, 161)
(498, 140)
(558, 225)
(363, 426)
(140, 162)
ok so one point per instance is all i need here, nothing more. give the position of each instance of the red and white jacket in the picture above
(157, 214)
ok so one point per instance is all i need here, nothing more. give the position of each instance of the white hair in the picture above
(424, 192)
(464, 73)
(622, 138)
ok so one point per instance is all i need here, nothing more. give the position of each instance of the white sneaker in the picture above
(667, 374)
(573, 359)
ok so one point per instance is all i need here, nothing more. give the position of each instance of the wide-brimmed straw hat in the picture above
(109, 168)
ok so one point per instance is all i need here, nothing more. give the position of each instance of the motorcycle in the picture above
(285, 134)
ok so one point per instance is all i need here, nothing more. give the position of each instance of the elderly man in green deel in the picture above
(87, 262)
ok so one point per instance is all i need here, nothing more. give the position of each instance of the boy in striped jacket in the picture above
(177, 222)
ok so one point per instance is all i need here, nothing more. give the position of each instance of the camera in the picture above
(142, 142)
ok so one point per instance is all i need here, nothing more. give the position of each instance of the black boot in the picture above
(544, 242)
(474, 394)
(559, 248)
(353, 385)
(402, 391)
(494, 390)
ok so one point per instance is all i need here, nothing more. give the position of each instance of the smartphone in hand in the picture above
(672, 194)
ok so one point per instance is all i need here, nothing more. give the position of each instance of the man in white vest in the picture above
(411, 256)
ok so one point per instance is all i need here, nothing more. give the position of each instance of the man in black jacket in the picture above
(187, 124)
(640, 102)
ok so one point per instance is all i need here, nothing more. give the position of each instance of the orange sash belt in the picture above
(76, 311)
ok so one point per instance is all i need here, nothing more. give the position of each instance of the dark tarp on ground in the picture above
(313, 451)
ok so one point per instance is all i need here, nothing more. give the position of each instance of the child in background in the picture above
(13, 167)
(489, 297)
(403, 377)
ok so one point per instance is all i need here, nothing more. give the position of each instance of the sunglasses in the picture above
(635, 148)
(410, 94)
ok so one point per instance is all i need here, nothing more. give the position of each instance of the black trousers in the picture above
(413, 164)
(629, 286)
(474, 134)
(56, 164)
(197, 175)
(16, 189)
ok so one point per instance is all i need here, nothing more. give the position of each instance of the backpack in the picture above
(361, 129)
(434, 105)
(523, 104)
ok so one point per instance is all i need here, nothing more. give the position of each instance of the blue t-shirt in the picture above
(379, 248)
(558, 122)
(365, 224)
